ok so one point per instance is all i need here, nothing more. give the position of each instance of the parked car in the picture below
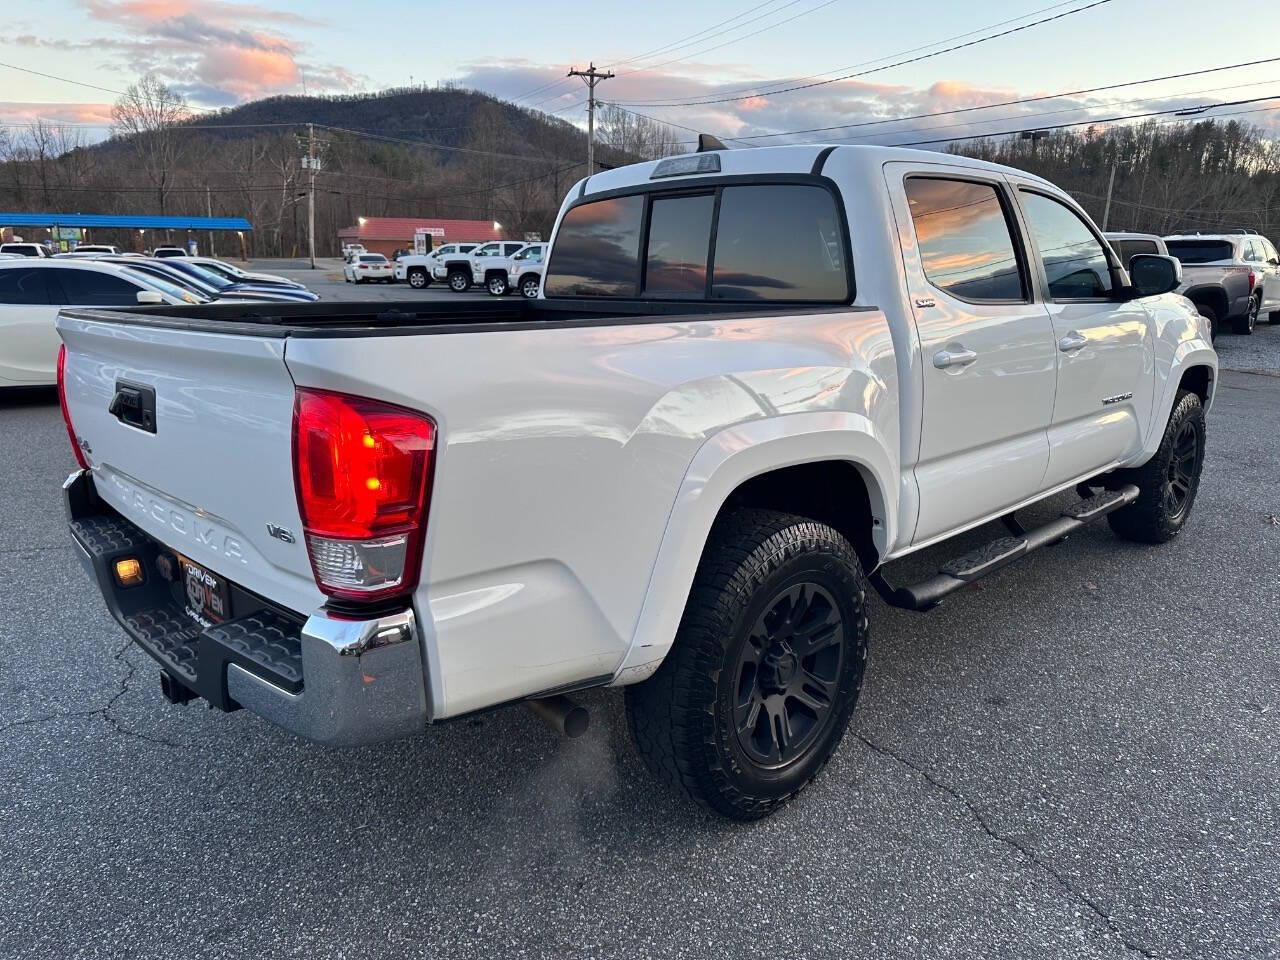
(222, 285)
(201, 287)
(95, 248)
(725, 418)
(418, 268)
(32, 291)
(368, 267)
(488, 265)
(25, 249)
(1240, 265)
(234, 274)
(525, 272)
(169, 252)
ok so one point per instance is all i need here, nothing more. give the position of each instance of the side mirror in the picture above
(1152, 274)
(150, 297)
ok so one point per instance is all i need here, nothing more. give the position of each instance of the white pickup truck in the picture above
(752, 381)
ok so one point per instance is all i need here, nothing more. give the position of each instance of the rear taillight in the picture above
(363, 473)
(1253, 278)
(66, 414)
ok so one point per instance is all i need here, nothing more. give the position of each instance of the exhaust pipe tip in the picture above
(563, 715)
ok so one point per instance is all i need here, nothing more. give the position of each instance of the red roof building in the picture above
(385, 235)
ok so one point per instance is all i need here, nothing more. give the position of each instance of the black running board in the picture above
(999, 553)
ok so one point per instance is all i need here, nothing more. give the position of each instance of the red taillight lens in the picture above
(363, 472)
(1253, 278)
(66, 414)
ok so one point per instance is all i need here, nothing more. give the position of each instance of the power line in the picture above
(1012, 103)
(1085, 123)
(863, 73)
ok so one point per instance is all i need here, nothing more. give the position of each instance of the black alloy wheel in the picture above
(1183, 471)
(788, 675)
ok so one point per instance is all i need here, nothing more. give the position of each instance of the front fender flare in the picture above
(725, 461)
(1190, 353)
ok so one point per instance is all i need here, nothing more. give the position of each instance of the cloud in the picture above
(202, 48)
(77, 113)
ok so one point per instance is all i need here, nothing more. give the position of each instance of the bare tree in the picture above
(635, 136)
(147, 116)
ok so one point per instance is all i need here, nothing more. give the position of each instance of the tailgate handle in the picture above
(134, 404)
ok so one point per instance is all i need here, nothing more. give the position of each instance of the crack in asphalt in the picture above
(105, 711)
(985, 825)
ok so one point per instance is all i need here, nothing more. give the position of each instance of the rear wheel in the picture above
(529, 287)
(1168, 482)
(459, 282)
(1245, 324)
(1273, 318)
(765, 670)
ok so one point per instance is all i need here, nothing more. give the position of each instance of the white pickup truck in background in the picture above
(417, 269)
(676, 471)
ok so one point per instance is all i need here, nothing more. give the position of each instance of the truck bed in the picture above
(406, 318)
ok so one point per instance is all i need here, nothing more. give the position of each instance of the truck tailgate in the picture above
(217, 472)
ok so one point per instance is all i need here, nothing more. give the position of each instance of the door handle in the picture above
(953, 358)
(1073, 341)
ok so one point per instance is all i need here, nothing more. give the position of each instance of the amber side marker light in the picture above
(128, 572)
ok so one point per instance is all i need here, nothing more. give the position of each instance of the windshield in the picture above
(1200, 251)
(207, 276)
(164, 286)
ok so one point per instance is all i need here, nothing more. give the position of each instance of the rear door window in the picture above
(1075, 262)
(597, 250)
(679, 242)
(779, 242)
(966, 248)
(89, 288)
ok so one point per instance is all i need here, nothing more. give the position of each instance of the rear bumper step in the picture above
(1001, 552)
(331, 680)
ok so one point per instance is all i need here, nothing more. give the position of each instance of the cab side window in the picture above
(1075, 263)
(966, 248)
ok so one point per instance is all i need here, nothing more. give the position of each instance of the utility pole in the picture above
(208, 200)
(591, 76)
(311, 194)
(1106, 210)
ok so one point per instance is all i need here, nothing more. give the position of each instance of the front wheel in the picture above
(766, 667)
(497, 286)
(529, 288)
(459, 282)
(1167, 483)
(418, 278)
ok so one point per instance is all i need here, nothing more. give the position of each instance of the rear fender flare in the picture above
(723, 463)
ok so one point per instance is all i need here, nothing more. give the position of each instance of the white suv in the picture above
(25, 249)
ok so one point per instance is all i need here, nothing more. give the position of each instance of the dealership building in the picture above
(386, 235)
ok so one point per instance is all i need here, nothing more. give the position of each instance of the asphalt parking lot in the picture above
(1076, 758)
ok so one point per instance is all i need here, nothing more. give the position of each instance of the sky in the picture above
(664, 53)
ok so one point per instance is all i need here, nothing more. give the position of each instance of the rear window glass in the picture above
(1200, 251)
(965, 245)
(1126, 250)
(597, 250)
(679, 237)
(778, 242)
(375, 258)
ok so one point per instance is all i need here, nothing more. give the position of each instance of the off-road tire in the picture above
(1152, 518)
(418, 279)
(682, 717)
(1244, 325)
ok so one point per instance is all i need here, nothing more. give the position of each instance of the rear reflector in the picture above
(363, 474)
(66, 414)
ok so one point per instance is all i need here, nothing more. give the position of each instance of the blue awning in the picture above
(103, 221)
